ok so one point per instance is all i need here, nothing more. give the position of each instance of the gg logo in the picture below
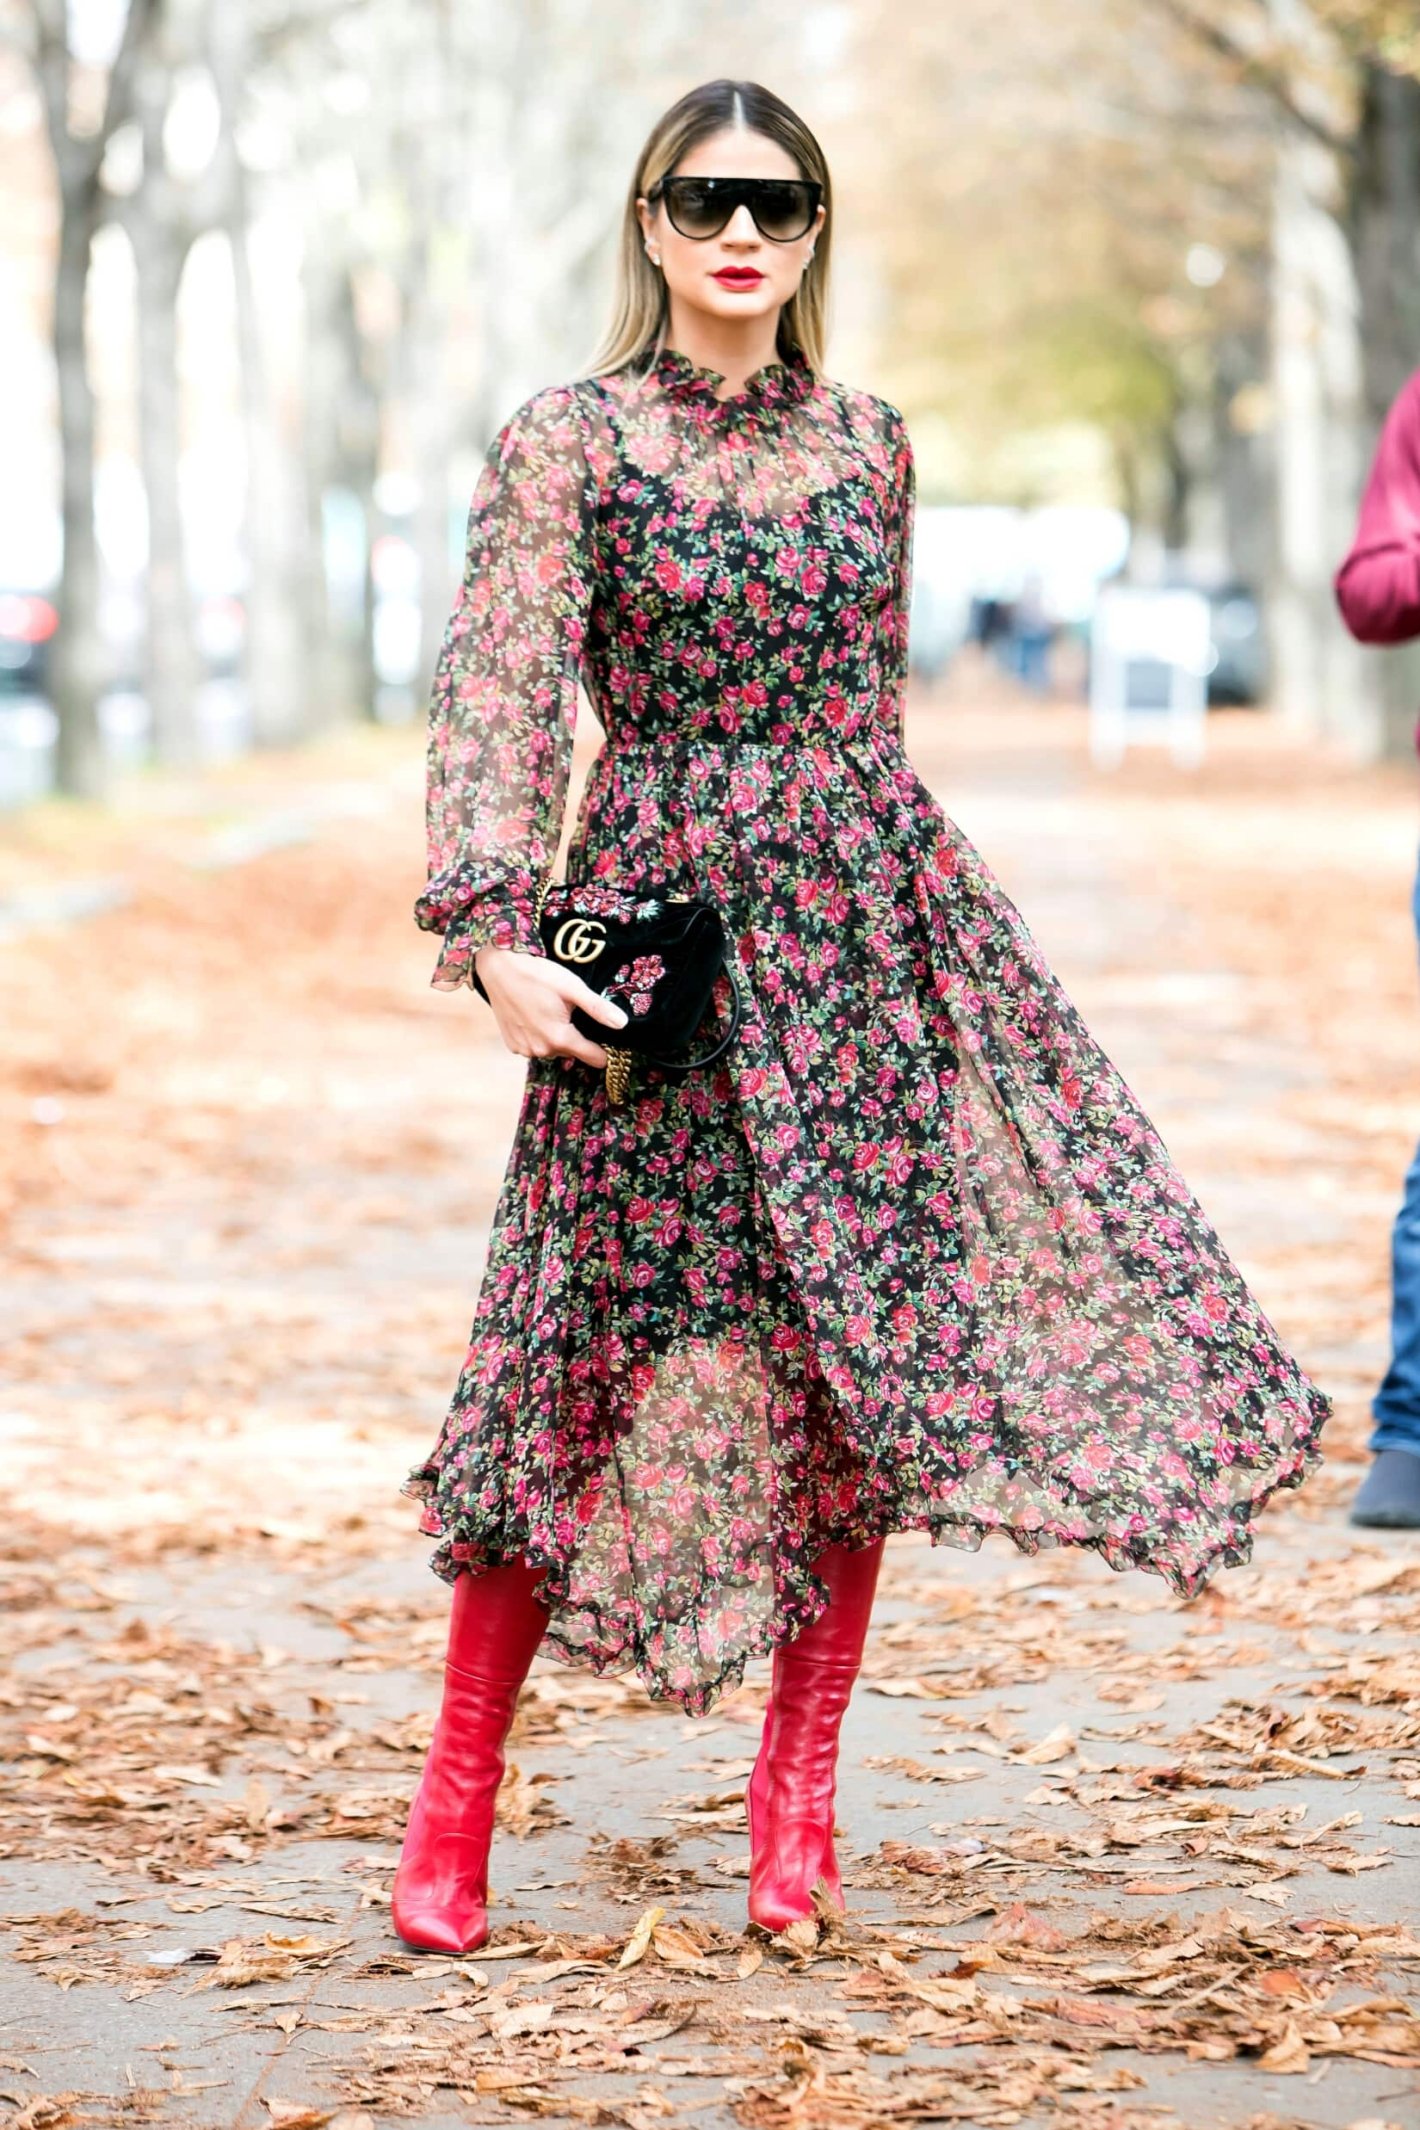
(579, 939)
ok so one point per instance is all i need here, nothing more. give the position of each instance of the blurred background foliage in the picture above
(274, 275)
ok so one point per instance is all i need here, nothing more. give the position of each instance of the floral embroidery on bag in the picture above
(635, 982)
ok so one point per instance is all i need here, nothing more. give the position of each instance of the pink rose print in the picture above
(910, 1255)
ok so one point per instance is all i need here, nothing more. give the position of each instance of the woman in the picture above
(909, 1256)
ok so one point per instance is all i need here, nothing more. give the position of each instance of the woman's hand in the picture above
(532, 997)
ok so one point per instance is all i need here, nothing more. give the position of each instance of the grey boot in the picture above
(1389, 1499)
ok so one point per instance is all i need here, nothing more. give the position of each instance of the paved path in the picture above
(1111, 1860)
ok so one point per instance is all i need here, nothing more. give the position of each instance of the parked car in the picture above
(1239, 670)
(1239, 674)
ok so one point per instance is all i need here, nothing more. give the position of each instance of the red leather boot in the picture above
(439, 1899)
(790, 1794)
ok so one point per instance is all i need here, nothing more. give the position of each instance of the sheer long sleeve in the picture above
(897, 612)
(503, 706)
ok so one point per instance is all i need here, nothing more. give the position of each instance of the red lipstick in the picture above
(739, 276)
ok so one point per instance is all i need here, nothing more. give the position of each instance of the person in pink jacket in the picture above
(1378, 592)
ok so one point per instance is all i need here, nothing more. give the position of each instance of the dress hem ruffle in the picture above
(963, 1531)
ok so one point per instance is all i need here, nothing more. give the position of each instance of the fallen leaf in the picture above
(639, 1942)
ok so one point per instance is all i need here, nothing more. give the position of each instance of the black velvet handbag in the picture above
(658, 955)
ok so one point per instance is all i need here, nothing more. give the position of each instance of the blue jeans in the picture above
(1396, 1405)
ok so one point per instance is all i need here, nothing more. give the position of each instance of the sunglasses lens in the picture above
(700, 211)
(700, 207)
(782, 211)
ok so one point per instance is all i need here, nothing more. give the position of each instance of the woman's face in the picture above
(691, 264)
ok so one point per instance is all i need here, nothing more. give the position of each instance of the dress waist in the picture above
(828, 743)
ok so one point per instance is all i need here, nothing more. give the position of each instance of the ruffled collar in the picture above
(775, 384)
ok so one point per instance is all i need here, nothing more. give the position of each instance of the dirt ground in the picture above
(1112, 1860)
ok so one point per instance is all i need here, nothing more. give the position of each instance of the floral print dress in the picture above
(910, 1255)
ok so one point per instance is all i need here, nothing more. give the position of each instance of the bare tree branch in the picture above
(1259, 68)
(77, 158)
(49, 57)
(141, 17)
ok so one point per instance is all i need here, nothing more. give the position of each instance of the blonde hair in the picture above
(641, 302)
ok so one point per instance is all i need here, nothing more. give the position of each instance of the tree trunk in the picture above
(79, 666)
(1246, 472)
(277, 644)
(276, 661)
(360, 459)
(341, 460)
(1322, 682)
(322, 350)
(1178, 450)
(174, 666)
(431, 414)
(1384, 223)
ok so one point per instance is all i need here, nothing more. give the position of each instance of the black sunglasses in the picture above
(699, 207)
